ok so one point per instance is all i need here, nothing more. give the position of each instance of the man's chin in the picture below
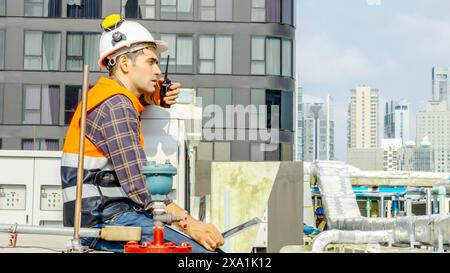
(148, 91)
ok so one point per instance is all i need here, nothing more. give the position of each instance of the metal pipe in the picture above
(408, 207)
(389, 209)
(441, 193)
(63, 231)
(80, 173)
(429, 202)
(368, 207)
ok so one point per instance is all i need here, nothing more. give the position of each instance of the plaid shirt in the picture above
(114, 127)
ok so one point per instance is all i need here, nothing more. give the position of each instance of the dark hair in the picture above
(131, 55)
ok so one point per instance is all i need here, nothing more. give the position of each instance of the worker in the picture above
(114, 188)
(321, 224)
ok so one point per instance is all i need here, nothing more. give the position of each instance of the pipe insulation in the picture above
(350, 237)
(342, 211)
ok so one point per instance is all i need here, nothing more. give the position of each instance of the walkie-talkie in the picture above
(165, 87)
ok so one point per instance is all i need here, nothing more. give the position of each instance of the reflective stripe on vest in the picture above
(89, 191)
(90, 163)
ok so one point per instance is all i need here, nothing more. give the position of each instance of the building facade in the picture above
(363, 118)
(441, 86)
(318, 129)
(434, 123)
(396, 120)
(391, 149)
(237, 52)
(366, 159)
(417, 158)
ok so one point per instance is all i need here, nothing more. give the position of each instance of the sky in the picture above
(390, 45)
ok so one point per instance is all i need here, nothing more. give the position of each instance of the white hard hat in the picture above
(119, 36)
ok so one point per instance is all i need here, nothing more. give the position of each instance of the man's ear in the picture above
(123, 63)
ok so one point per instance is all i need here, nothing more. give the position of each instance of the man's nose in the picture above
(156, 70)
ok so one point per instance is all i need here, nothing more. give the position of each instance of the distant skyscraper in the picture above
(318, 128)
(441, 86)
(396, 120)
(363, 118)
(299, 133)
(434, 123)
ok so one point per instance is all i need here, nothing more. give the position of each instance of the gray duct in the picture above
(343, 214)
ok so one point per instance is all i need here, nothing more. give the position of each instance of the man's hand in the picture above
(205, 234)
(172, 94)
(170, 98)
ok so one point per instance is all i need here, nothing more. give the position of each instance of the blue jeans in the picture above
(145, 221)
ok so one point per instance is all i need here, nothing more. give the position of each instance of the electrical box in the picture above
(47, 195)
(51, 198)
(16, 187)
(13, 197)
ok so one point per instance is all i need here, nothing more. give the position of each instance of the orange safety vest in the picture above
(102, 197)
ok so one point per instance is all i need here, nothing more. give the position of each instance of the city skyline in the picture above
(390, 45)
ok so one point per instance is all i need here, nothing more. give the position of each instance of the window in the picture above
(273, 98)
(258, 10)
(271, 56)
(176, 10)
(273, 153)
(180, 51)
(42, 50)
(258, 56)
(216, 10)
(287, 108)
(222, 151)
(212, 63)
(40, 144)
(144, 9)
(2, 8)
(205, 151)
(82, 48)
(286, 54)
(1, 102)
(41, 104)
(273, 11)
(273, 52)
(71, 100)
(240, 151)
(42, 8)
(215, 96)
(287, 12)
(256, 153)
(2, 49)
(257, 118)
(84, 8)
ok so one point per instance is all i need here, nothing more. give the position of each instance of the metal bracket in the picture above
(13, 237)
(74, 246)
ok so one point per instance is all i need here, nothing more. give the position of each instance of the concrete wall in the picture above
(284, 200)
